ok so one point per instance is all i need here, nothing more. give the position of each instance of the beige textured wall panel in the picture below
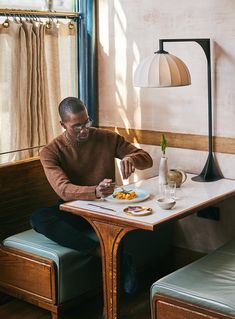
(179, 158)
(129, 31)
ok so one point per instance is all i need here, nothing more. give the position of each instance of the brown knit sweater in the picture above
(74, 170)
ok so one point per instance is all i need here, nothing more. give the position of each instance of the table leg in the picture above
(110, 236)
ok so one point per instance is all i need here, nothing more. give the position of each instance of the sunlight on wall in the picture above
(103, 25)
(128, 38)
(120, 59)
(134, 30)
(123, 114)
(125, 55)
(137, 114)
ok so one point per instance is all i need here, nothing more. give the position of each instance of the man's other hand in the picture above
(105, 188)
(127, 167)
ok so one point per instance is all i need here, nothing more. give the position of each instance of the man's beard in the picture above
(81, 138)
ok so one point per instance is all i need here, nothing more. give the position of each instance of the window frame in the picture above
(87, 57)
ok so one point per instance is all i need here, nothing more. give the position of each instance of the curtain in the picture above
(38, 69)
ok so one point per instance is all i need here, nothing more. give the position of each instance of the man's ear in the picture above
(63, 125)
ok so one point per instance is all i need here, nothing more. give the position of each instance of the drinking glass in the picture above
(171, 190)
(168, 191)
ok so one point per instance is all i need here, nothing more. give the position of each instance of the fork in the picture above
(124, 190)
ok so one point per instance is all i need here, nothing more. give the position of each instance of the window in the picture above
(77, 77)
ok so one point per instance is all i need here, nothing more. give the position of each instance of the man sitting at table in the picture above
(80, 165)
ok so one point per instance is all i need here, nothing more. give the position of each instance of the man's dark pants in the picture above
(73, 231)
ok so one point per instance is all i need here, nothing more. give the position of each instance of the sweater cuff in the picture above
(75, 192)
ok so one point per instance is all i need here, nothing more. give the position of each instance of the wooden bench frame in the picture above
(23, 189)
(14, 263)
(164, 307)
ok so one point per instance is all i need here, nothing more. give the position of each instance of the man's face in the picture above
(77, 125)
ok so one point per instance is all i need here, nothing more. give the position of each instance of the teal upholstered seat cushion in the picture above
(76, 274)
(208, 282)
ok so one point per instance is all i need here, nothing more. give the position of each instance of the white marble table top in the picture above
(189, 198)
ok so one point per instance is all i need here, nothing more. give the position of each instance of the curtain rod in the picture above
(41, 14)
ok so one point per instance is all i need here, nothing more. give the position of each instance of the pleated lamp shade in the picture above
(161, 70)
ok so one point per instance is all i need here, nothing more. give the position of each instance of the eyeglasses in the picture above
(87, 124)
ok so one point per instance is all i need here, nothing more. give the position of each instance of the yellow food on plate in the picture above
(125, 195)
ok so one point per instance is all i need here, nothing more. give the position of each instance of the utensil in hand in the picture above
(107, 186)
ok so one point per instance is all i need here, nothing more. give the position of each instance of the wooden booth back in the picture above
(23, 189)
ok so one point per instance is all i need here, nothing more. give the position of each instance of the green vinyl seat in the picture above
(208, 282)
(76, 274)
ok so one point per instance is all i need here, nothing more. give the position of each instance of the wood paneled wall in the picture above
(178, 140)
(23, 189)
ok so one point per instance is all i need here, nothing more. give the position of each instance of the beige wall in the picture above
(128, 31)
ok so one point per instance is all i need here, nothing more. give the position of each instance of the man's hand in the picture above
(127, 167)
(105, 188)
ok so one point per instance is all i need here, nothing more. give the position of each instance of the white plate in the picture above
(141, 196)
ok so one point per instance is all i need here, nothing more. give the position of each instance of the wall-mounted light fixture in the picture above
(166, 70)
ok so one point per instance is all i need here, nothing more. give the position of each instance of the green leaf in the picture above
(163, 144)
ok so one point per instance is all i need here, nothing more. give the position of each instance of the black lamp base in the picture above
(202, 178)
(210, 172)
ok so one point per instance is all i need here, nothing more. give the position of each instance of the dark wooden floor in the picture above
(135, 308)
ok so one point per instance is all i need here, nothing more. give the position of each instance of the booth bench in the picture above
(203, 289)
(38, 270)
(32, 267)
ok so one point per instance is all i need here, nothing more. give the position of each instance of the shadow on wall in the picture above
(139, 174)
(118, 51)
(205, 235)
(122, 106)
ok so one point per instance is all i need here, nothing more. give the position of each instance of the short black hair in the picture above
(70, 105)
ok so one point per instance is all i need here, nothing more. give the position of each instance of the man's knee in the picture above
(42, 218)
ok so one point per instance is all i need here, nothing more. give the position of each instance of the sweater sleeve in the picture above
(59, 180)
(141, 158)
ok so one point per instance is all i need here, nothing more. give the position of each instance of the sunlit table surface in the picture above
(190, 196)
(111, 223)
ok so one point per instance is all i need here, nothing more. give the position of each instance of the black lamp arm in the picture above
(204, 43)
(210, 171)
